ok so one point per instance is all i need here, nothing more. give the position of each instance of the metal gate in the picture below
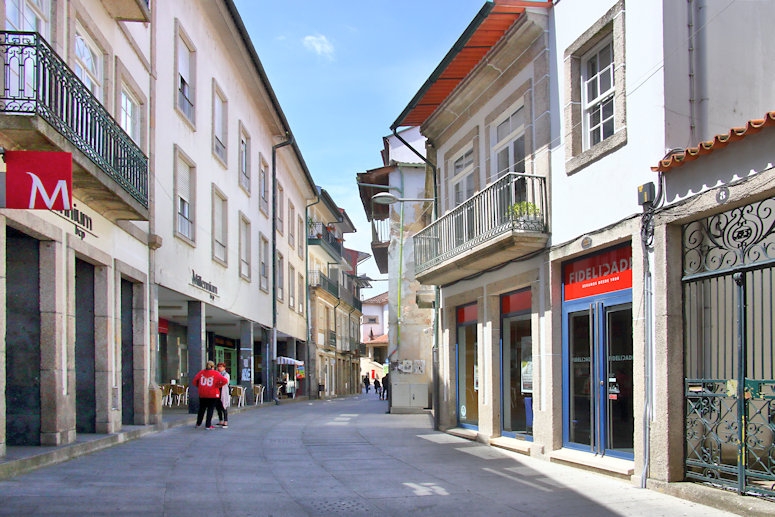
(728, 285)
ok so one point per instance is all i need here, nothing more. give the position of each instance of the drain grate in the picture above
(340, 507)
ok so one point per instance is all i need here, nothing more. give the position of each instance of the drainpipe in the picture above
(270, 359)
(306, 295)
(436, 394)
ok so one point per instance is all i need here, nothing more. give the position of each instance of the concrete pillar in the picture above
(197, 341)
(245, 369)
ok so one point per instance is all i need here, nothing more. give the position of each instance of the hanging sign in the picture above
(39, 180)
(600, 273)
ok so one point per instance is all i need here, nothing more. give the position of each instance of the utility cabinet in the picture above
(413, 396)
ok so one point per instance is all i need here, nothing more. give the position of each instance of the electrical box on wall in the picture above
(646, 194)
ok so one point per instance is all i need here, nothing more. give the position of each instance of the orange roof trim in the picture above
(482, 34)
(735, 134)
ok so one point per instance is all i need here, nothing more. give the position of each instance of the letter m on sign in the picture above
(39, 180)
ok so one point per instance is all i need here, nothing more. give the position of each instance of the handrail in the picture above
(38, 81)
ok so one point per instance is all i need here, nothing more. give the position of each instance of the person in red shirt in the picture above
(209, 383)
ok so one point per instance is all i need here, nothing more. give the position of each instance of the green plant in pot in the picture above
(522, 210)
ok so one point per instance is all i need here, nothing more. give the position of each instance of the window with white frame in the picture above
(463, 184)
(130, 116)
(280, 276)
(280, 209)
(291, 287)
(244, 247)
(508, 148)
(263, 187)
(185, 197)
(301, 235)
(597, 77)
(371, 320)
(220, 225)
(291, 231)
(244, 160)
(263, 257)
(220, 124)
(28, 15)
(186, 70)
(88, 61)
(596, 118)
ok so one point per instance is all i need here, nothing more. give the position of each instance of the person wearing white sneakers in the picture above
(224, 401)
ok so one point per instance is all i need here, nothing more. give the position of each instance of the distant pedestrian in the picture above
(366, 383)
(224, 401)
(378, 387)
(208, 382)
(385, 387)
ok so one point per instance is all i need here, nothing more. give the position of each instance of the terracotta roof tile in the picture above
(378, 340)
(379, 299)
(735, 134)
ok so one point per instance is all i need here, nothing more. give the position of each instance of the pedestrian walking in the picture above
(366, 383)
(224, 401)
(378, 387)
(209, 383)
(385, 387)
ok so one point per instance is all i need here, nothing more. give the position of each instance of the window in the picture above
(595, 114)
(184, 196)
(28, 15)
(244, 247)
(280, 277)
(186, 75)
(130, 115)
(463, 184)
(220, 124)
(291, 287)
(371, 320)
(263, 188)
(508, 139)
(88, 62)
(302, 293)
(220, 226)
(280, 208)
(263, 257)
(291, 218)
(597, 80)
(244, 160)
(301, 236)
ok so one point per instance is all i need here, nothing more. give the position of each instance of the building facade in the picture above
(76, 344)
(374, 336)
(559, 324)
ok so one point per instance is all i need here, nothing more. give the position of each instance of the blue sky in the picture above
(343, 71)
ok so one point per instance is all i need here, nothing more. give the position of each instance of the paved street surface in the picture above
(337, 457)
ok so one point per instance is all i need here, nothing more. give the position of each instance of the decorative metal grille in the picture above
(37, 81)
(739, 237)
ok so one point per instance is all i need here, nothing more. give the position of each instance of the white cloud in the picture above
(320, 45)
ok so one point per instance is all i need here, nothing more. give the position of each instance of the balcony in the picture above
(318, 279)
(319, 234)
(505, 221)
(380, 241)
(129, 10)
(48, 108)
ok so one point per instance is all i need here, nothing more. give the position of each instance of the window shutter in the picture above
(183, 182)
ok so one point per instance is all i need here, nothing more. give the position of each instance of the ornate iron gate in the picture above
(728, 286)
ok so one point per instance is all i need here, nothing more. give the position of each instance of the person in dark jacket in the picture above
(209, 383)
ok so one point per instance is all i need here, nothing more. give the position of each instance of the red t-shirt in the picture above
(209, 383)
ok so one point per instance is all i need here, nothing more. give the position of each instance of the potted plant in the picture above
(522, 210)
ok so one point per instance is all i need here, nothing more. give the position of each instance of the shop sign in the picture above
(39, 180)
(597, 274)
(196, 281)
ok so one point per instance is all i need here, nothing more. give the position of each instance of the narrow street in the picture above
(335, 457)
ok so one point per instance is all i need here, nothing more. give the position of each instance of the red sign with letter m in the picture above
(39, 180)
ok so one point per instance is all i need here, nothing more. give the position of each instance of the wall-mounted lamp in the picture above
(386, 198)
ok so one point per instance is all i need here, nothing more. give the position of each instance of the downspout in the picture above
(271, 359)
(436, 294)
(647, 238)
(307, 293)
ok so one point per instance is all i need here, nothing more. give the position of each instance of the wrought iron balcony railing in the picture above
(318, 279)
(319, 232)
(38, 82)
(514, 203)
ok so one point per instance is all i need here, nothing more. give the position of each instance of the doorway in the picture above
(598, 408)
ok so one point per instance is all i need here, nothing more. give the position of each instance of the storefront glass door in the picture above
(598, 408)
(467, 368)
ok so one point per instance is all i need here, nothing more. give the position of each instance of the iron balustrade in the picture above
(38, 82)
(319, 279)
(514, 203)
(320, 231)
(380, 230)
